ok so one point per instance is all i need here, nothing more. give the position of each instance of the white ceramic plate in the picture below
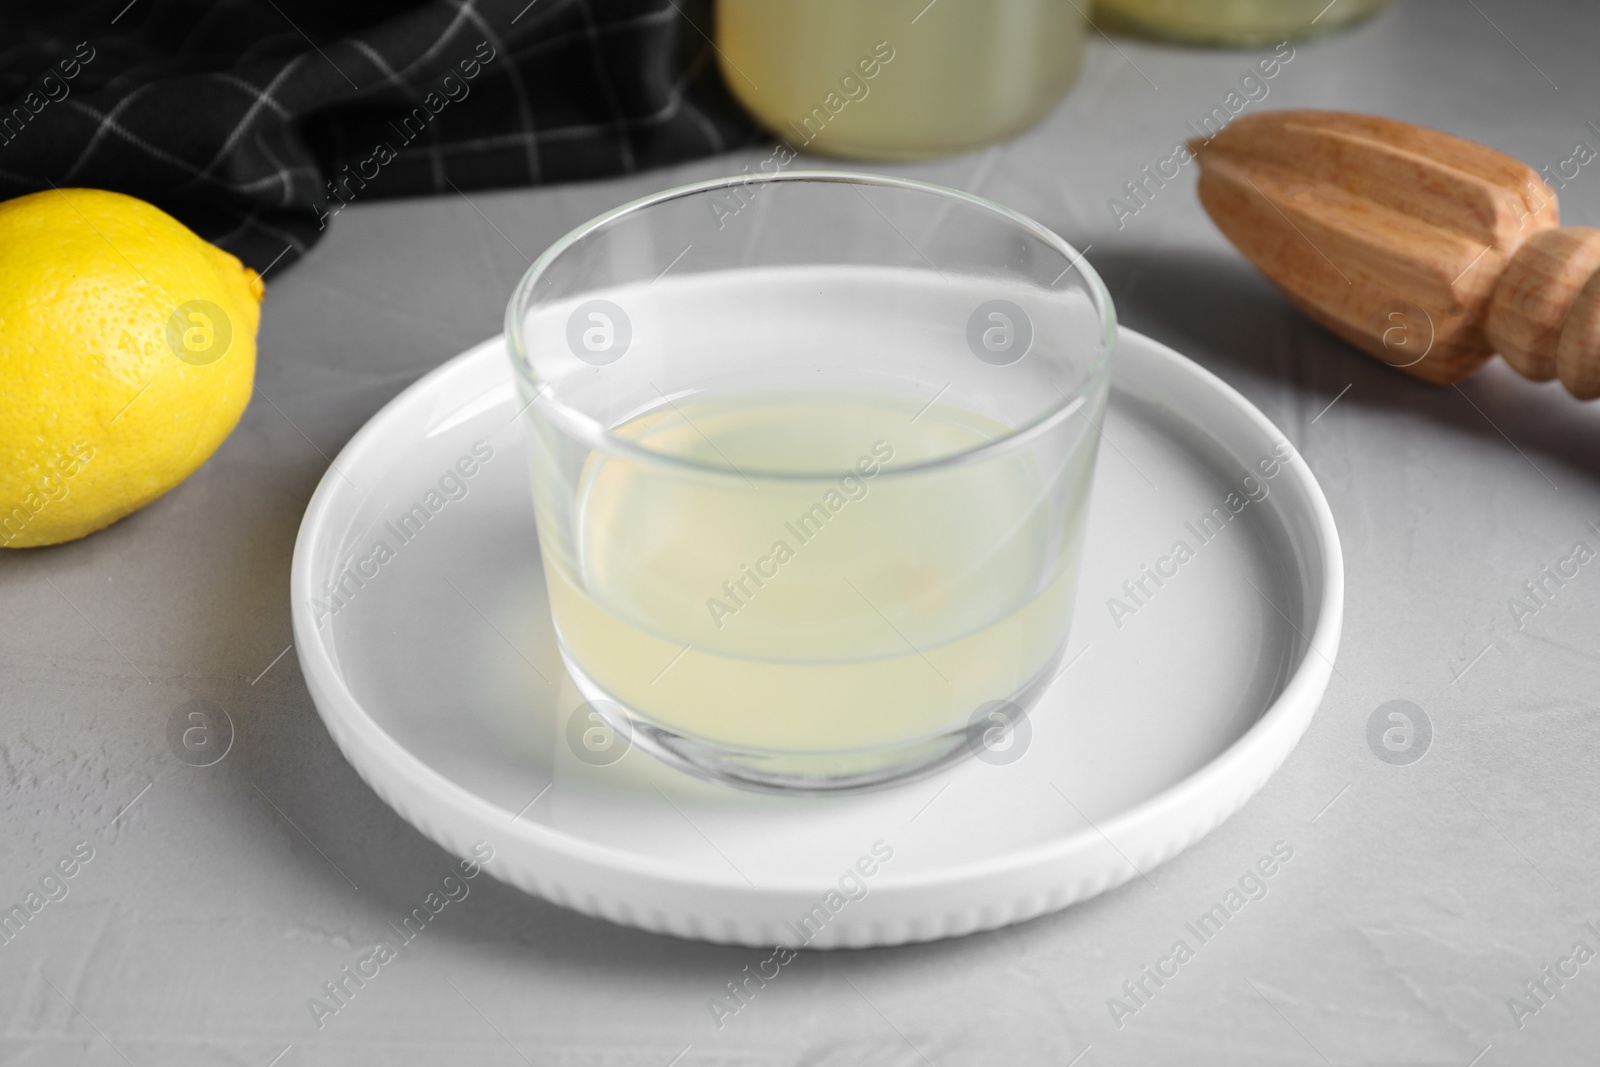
(436, 672)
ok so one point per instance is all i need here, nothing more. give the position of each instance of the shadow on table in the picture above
(1219, 311)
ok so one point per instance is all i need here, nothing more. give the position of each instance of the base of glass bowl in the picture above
(1227, 24)
(825, 773)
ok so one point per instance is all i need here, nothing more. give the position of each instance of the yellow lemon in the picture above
(127, 354)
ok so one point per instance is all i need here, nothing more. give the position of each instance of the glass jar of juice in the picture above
(1236, 23)
(898, 79)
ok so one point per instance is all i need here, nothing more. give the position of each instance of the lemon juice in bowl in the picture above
(814, 518)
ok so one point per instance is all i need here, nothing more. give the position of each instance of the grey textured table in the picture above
(1421, 897)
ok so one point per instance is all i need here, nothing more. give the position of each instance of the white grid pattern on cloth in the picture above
(524, 111)
(263, 98)
(603, 72)
(233, 130)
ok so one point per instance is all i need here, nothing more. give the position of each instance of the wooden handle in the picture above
(1427, 251)
(1544, 317)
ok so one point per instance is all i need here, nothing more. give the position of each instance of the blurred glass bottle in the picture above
(1231, 22)
(898, 79)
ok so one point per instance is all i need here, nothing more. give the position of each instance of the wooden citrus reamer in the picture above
(1427, 251)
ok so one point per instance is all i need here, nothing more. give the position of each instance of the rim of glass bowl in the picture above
(596, 435)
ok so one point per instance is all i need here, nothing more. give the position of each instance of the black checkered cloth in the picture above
(255, 121)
